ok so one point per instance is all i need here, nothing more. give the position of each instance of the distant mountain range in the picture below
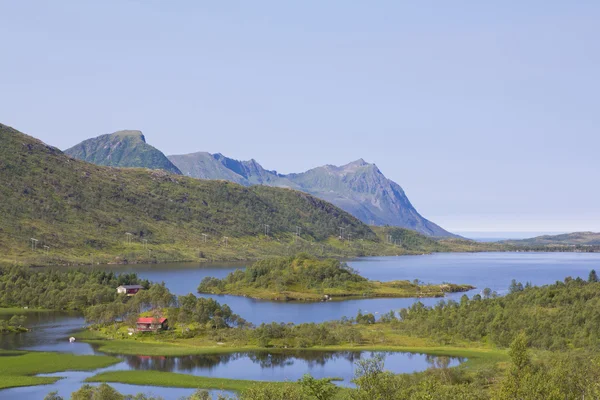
(122, 149)
(358, 187)
(571, 239)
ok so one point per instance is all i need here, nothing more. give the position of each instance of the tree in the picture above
(593, 277)
(53, 396)
(514, 382)
(515, 286)
(321, 389)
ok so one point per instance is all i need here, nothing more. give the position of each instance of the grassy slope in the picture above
(82, 211)
(18, 368)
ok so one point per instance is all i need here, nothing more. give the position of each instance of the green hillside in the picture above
(122, 149)
(84, 213)
(566, 239)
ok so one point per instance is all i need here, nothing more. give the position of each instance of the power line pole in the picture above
(226, 240)
(33, 244)
(266, 229)
(145, 241)
(128, 236)
(342, 229)
(204, 235)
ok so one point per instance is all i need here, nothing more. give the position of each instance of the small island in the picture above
(306, 278)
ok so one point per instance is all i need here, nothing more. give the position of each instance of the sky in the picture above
(486, 113)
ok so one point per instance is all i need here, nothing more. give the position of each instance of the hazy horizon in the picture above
(486, 114)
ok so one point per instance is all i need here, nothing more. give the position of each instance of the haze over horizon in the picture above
(486, 114)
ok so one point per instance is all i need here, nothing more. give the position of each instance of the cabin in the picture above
(129, 290)
(151, 324)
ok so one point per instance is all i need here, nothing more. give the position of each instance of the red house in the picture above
(151, 324)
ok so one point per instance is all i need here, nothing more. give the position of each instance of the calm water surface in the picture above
(494, 270)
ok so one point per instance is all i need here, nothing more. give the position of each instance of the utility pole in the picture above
(145, 241)
(342, 229)
(46, 248)
(33, 244)
(226, 240)
(266, 229)
(204, 235)
(298, 230)
(128, 236)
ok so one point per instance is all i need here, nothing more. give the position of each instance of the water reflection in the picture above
(282, 365)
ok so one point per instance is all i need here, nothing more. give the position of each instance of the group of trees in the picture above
(75, 289)
(555, 317)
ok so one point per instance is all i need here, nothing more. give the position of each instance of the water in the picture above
(493, 270)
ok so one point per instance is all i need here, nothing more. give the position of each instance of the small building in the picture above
(151, 324)
(129, 290)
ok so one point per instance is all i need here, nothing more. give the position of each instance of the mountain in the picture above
(358, 187)
(81, 210)
(568, 239)
(122, 149)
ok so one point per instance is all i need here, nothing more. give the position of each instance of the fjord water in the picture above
(494, 270)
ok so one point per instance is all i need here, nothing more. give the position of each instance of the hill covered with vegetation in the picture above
(86, 213)
(307, 278)
(566, 239)
(122, 149)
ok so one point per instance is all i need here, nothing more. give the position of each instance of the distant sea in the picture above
(499, 236)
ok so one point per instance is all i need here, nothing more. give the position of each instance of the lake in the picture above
(493, 270)
(51, 330)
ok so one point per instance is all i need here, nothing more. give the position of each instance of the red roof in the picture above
(150, 320)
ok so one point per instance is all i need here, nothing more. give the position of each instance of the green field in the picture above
(20, 310)
(18, 368)
(171, 379)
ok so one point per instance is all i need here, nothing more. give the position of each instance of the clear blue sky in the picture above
(486, 112)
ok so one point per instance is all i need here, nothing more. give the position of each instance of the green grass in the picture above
(19, 368)
(171, 379)
(20, 310)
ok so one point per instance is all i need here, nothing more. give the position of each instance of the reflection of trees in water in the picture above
(275, 359)
(441, 362)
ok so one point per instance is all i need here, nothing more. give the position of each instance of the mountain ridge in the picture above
(81, 211)
(586, 238)
(125, 148)
(358, 187)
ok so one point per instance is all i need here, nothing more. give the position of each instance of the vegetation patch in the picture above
(19, 368)
(306, 278)
(171, 379)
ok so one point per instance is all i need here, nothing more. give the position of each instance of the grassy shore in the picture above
(20, 310)
(171, 379)
(373, 289)
(18, 368)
